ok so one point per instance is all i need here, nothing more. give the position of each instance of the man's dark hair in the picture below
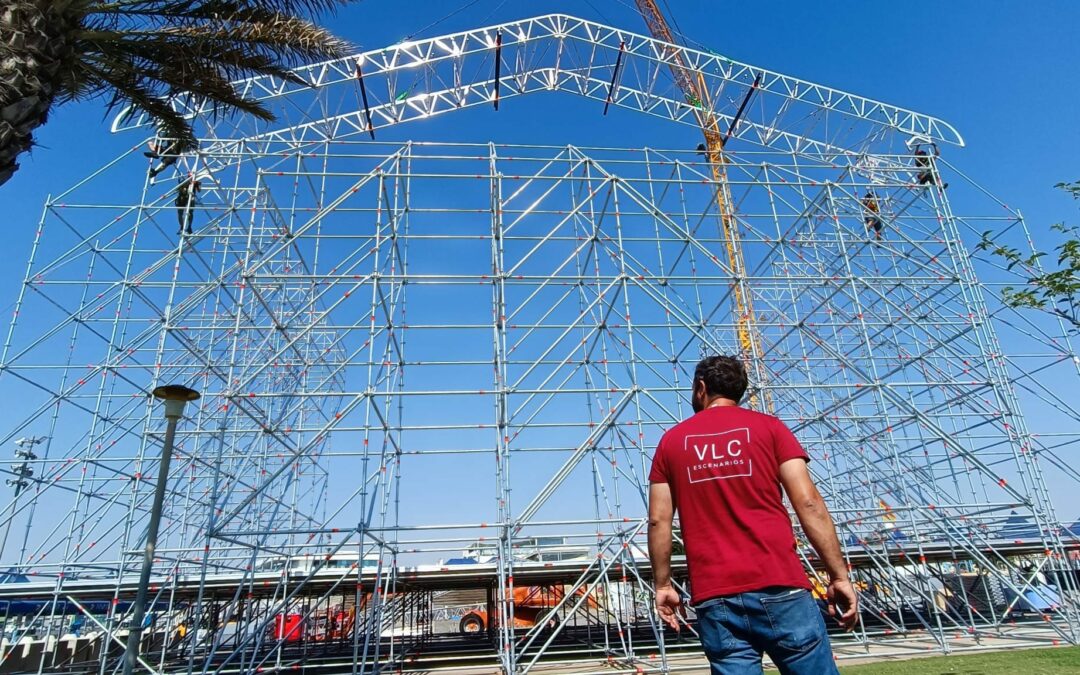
(723, 376)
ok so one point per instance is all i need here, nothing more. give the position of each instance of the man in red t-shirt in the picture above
(723, 470)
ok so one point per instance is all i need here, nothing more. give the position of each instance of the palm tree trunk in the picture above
(35, 34)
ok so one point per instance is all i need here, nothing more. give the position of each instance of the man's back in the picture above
(722, 466)
(724, 471)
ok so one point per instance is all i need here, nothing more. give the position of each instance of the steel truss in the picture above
(420, 78)
(381, 330)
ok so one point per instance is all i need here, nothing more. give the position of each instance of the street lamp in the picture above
(23, 472)
(175, 397)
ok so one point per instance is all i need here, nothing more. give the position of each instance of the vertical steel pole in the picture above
(175, 398)
(131, 656)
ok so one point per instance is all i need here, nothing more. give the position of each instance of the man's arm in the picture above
(661, 513)
(820, 530)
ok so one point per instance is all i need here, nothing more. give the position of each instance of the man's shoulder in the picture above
(676, 433)
(697, 424)
(750, 412)
(765, 418)
(771, 422)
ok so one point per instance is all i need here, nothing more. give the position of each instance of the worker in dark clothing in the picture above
(872, 214)
(186, 198)
(927, 174)
(167, 151)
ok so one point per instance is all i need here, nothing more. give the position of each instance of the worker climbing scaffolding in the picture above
(924, 162)
(166, 151)
(872, 214)
(186, 199)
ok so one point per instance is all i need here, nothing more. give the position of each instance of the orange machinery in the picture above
(531, 605)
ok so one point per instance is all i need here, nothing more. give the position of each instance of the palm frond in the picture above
(195, 48)
(209, 9)
(126, 87)
(288, 39)
(144, 52)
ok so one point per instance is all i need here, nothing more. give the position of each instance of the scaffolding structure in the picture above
(407, 350)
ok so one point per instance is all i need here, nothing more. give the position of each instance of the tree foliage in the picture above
(1055, 290)
(143, 52)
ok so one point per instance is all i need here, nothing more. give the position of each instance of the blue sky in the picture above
(1002, 73)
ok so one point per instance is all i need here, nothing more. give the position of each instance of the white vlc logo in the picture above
(718, 455)
(734, 449)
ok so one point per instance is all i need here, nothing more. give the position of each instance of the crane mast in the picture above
(692, 84)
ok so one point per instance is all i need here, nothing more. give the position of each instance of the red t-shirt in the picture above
(723, 467)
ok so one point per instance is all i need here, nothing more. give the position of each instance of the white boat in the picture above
(318, 563)
(527, 549)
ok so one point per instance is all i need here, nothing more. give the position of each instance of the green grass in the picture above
(1052, 661)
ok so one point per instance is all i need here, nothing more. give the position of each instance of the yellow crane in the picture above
(692, 84)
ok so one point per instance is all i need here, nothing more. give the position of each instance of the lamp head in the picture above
(175, 397)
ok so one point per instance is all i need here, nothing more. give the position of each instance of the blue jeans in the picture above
(784, 623)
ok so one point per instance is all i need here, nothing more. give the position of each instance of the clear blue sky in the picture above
(1003, 73)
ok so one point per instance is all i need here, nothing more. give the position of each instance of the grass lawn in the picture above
(1019, 661)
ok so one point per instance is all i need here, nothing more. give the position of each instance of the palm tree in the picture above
(141, 52)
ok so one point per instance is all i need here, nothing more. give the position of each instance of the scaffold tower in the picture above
(433, 373)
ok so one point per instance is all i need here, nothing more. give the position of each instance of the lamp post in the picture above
(23, 471)
(175, 397)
